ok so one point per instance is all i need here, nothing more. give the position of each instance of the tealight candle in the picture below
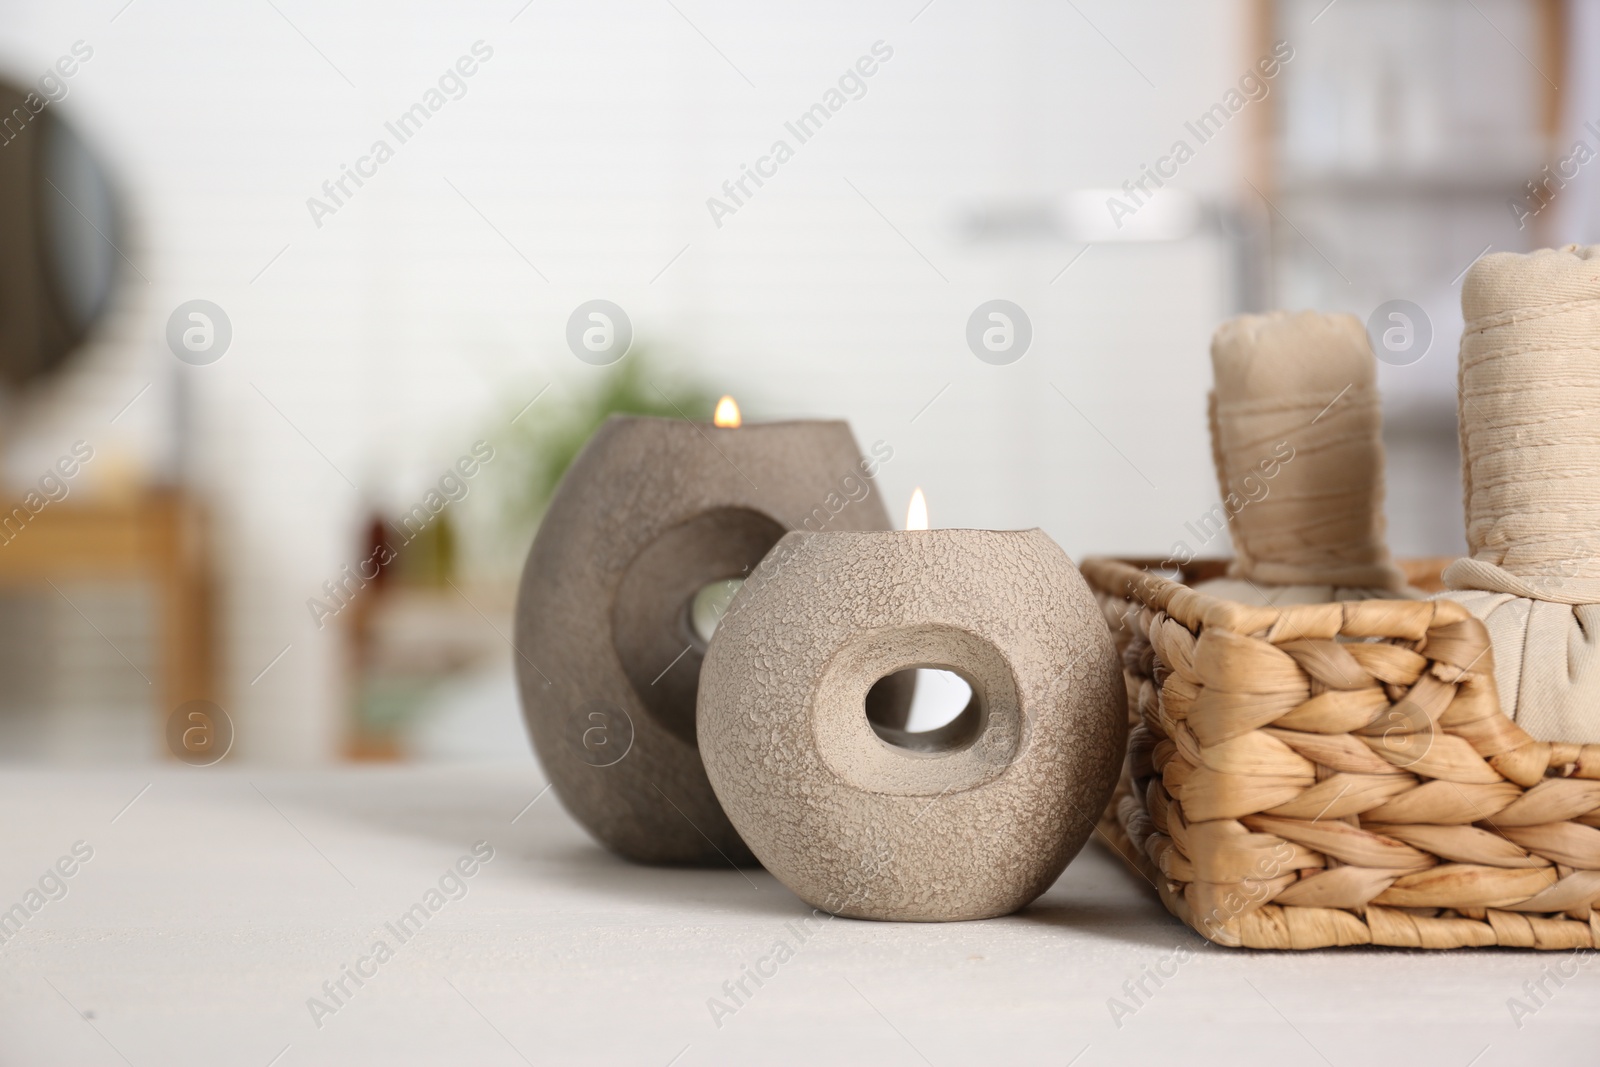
(711, 602)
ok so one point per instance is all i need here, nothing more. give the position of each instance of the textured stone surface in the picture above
(865, 829)
(607, 664)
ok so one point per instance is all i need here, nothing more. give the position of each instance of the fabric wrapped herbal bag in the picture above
(1530, 448)
(1296, 436)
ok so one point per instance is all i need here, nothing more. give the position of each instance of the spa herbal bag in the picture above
(1529, 406)
(1296, 436)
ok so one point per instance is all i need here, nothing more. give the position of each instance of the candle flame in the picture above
(727, 414)
(917, 511)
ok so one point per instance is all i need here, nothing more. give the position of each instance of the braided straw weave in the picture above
(1341, 774)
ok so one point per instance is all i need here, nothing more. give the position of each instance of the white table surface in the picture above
(220, 901)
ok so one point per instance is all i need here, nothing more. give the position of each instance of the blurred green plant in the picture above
(546, 439)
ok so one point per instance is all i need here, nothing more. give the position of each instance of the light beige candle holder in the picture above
(973, 822)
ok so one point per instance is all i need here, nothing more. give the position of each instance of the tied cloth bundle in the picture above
(1296, 436)
(1530, 445)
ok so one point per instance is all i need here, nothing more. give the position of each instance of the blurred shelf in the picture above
(137, 565)
(1479, 179)
(405, 641)
(429, 631)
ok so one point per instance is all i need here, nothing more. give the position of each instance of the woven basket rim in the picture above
(1396, 619)
(1193, 608)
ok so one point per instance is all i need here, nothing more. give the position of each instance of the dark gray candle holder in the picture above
(608, 662)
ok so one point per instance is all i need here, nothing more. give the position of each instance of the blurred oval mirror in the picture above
(57, 225)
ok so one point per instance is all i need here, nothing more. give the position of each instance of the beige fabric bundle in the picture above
(1296, 436)
(1530, 448)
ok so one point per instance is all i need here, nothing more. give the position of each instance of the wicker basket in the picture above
(1341, 774)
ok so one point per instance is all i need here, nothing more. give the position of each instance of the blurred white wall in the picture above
(591, 140)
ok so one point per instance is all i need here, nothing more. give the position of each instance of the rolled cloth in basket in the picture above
(1297, 439)
(1530, 446)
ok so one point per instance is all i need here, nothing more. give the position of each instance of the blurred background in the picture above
(245, 350)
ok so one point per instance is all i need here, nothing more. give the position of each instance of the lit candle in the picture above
(917, 511)
(712, 600)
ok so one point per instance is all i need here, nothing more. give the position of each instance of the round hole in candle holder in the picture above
(946, 712)
(888, 757)
(654, 618)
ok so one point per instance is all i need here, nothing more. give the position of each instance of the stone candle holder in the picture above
(651, 511)
(984, 817)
